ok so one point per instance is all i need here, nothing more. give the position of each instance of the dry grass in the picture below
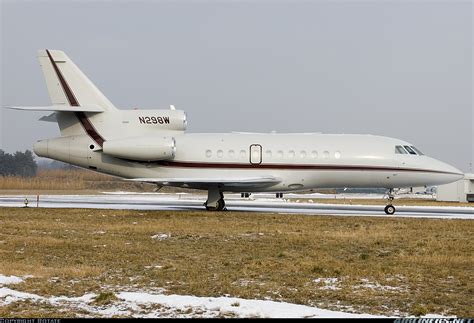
(417, 266)
(67, 180)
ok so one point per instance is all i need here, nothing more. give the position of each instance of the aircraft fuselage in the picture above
(299, 161)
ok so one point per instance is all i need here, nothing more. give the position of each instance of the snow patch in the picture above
(377, 286)
(161, 236)
(6, 280)
(331, 283)
(218, 306)
(8, 296)
(145, 304)
(154, 266)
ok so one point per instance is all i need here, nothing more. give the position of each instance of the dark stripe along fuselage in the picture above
(181, 164)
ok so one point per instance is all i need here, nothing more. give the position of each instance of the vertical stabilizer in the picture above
(67, 85)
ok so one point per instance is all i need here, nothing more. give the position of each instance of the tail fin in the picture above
(67, 85)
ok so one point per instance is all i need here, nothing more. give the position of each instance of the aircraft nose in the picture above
(448, 173)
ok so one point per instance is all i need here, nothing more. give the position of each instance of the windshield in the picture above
(404, 150)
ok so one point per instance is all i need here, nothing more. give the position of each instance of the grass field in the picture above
(388, 266)
(67, 181)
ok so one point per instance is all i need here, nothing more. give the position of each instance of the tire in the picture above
(389, 209)
(220, 206)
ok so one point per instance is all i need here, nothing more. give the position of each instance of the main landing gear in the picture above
(390, 209)
(215, 199)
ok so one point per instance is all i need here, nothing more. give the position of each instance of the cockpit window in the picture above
(417, 150)
(410, 150)
(400, 150)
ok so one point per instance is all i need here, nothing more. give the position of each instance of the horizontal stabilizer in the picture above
(62, 108)
(226, 182)
(49, 118)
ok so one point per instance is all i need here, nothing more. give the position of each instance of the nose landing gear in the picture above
(390, 209)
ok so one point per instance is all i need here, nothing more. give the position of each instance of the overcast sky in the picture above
(401, 69)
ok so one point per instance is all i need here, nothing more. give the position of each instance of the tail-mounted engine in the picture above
(141, 148)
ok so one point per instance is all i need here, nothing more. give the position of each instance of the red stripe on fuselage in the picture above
(181, 164)
(83, 120)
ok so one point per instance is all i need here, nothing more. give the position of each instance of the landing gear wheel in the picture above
(389, 209)
(220, 206)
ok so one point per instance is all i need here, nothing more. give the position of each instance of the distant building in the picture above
(418, 190)
(460, 191)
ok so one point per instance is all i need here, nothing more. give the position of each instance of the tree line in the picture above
(17, 164)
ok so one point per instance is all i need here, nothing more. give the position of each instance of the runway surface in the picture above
(258, 203)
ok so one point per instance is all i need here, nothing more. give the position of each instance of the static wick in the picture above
(37, 200)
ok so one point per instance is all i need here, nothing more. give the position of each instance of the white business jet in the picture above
(152, 146)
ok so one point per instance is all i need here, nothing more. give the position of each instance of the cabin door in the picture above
(255, 154)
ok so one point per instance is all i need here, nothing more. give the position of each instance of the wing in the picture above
(206, 182)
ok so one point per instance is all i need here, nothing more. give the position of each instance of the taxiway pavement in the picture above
(164, 201)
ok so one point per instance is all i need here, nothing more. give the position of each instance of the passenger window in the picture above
(410, 151)
(268, 154)
(243, 154)
(337, 154)
(303, 154)
(400, 150)
(291, 154)
(220, 153)
(314, 154)
(231, 153)
(326, 154)
(280, 154)
(208, 153)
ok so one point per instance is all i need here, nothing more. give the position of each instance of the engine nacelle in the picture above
(141, 148)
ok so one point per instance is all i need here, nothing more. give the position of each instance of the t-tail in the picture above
(90, 124)
(76, 101)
